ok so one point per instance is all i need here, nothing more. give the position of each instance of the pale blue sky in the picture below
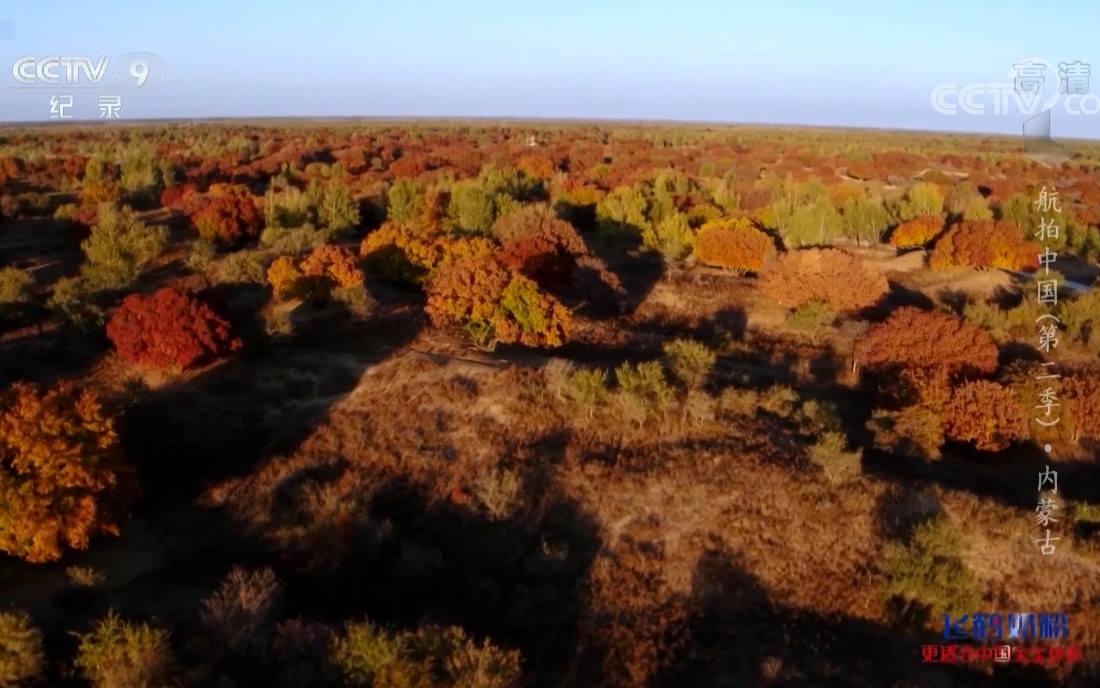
(847, 63)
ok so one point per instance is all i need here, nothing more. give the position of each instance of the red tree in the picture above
(985, 414)
(171, 328)
(913, 338)
(230, 218)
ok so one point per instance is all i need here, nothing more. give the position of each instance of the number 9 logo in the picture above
(139, 69)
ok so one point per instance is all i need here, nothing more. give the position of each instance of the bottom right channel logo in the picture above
(1001, 654)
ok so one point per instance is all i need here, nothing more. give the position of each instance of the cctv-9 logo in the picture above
(138, 73)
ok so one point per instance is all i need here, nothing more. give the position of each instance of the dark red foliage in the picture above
(539, 259)
(229, 219)
(173, 196)
(172, 328)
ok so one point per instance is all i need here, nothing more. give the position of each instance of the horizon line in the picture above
(506, 119)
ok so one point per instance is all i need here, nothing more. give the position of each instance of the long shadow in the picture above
(637, 271)
(410, 559)
(226, 420)
(739, 636)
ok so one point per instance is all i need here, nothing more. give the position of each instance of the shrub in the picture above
(240, 613)
(403, 254)
(405, 201)
(103, 191)
(496, 304)
(985, 414)
(431, 657)
(643, 392)
(540, 245)
(172, 328)
(916, 232)
(830, 453)
(735, 245)
(928, 570)
(119, 247)
(912, 431)
(285, 278)
(230, 218)
(336, 263)
(834, 277)
(122, 654)
(316, 276)
(672, 237)
(62, 475)
(338, 209)
(811, 318)
(71, 300)
(22, 657)
(1081, 390)
(356, 298)
(977, 209)
(911, 337)
(16, 286)
(689, 361)
(921, 199)
(540, 260)
(985, 244)
(471, 209)
(242, 267)
(173, 196)
(622, 213)
(286, 209)
(539, 221)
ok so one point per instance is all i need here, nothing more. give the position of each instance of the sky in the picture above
(845, 63)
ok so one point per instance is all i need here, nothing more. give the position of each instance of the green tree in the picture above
(405, 201)
(471, 209)
(338, 209)
(119, 247)
(921, 199)
(622, 213)
(864, 219)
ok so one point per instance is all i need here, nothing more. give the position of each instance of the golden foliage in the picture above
(837, 278)
(986, 414)
(283, 276)
(316, 276)
(62, 475)
(407, 253)
(916, 232)
(496, 304)
(735, 244)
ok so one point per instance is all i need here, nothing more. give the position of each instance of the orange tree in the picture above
(314, 277)
(172, 328)
(985, 414)
(735, 244)
(63, 478)
(837, 278)
(494, 303)
(916, 232)
(985, 244)
(407, 253)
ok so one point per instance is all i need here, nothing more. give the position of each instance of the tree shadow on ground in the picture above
(636, 269)
(405, 557)
(742, 637)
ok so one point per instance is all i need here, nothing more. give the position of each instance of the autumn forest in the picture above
(504, 404)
